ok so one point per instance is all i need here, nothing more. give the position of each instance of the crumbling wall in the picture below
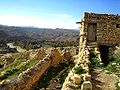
(105, 31)
(76, 81)
(26, 79)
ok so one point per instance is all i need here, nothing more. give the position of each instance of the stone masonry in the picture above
(97, 31)
(101, 31)
(104, 29)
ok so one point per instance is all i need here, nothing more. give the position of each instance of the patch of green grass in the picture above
(79, 70)
(21, 64)
(117, 87)
(95, 61)
(20, 59)
(114, 65)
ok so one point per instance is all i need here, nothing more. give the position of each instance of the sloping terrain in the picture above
(102, 80)
(21, 71)
(39, 34)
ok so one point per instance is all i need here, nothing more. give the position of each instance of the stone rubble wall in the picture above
(107, 33)
(79, 81)
(26, 79)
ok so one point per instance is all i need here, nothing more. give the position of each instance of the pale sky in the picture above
(52, 13)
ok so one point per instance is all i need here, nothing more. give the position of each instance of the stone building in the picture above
(101, 31)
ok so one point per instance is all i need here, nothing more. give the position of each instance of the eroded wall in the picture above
(26, 79)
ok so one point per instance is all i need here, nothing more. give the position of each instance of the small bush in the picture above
(15, 69)
(117, 87)
(114, 65)
(79, 70)
(95, 61)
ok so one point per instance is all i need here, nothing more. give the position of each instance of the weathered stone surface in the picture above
(76, 79)
(87, 85)
(56, 57)
(73, 79)
(95, 30)
(107, 30)
(37, 54)
(26, 79)
(87, 78)
(66, 56)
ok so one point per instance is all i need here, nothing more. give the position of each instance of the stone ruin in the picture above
(101, 31)
(50, 57)
(104, 29)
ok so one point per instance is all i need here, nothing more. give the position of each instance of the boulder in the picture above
(55, 57)
(76, 79)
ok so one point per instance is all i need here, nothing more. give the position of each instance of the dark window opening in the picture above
(104, 51)
(117, 25)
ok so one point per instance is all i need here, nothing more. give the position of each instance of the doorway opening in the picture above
(91, 37)
(104, 52)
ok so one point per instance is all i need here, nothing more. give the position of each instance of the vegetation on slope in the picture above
(112, 68)
(38, 44)
(114, 65)
(79, 70)
(95, 61)
(21, 64)
(4, 47)
(33, 38)
(12, 33)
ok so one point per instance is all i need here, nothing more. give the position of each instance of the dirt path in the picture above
(103, 81)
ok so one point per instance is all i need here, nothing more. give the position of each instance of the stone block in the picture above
(76, 79)
(87, 85)
(87, 78)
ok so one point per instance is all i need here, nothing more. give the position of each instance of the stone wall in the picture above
(108, 27)
(100, 30)
(95, 30)
(79, 81)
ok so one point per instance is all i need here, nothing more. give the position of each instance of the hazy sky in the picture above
(52, 13)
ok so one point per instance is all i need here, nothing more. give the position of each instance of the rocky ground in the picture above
(55, 82)
(103, 81)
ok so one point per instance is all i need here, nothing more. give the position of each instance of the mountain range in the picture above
(37, 34)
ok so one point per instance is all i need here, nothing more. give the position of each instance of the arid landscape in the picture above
(59, 45)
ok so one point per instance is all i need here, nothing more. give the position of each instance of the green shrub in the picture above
(114, 65)
(15, 69)
(117, 87)
(95, 61)
(79, 70)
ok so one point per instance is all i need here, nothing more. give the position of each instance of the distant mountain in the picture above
(39, 34)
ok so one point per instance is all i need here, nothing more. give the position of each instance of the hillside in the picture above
(40, 34)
